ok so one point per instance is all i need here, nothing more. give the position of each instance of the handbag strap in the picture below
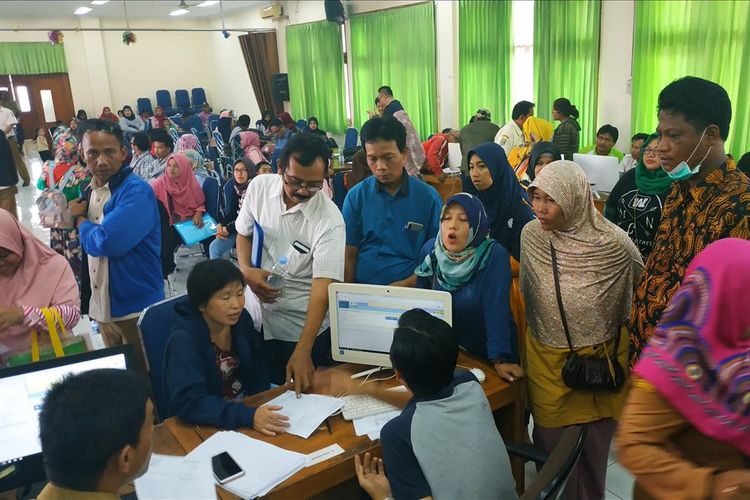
(53, 318)
(562, 309)
(559, 296)
(63, 181)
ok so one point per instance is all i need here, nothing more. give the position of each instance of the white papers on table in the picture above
(176, 477)
(371, 425)
(306, 413)
(265, 465)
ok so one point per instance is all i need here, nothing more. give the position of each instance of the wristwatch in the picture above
(498, 361)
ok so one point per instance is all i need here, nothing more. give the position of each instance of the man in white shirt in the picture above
(630, 160)
(8, 122)
(511, 134)
(305, 226)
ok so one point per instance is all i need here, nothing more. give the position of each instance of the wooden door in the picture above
(43, 99)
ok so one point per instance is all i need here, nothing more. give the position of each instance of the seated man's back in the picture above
(448, 446)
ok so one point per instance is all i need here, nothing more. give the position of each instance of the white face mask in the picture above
(683, 171)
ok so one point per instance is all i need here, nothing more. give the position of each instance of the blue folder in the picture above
(257, 253)
(192, 234)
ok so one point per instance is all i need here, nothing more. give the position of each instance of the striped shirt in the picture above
(146, 166)
(318, 225)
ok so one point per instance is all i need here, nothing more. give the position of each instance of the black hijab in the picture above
(542, 148)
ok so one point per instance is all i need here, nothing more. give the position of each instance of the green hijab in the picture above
(650, 181)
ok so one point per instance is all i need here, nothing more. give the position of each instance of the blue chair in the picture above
(164, 99)
(198, 96)
(212, 192)
(144, 104)
(155, 326)
(339, 189)
(202, 137)
(181, 99)
(350, 140)
(175, 135)
(213, 123)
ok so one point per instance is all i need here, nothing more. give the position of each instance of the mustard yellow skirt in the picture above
(552, 403)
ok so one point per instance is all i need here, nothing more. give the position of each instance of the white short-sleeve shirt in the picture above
(509, 136)
(7, 118)
(316, 224)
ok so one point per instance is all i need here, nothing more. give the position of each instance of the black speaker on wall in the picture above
(280, 86)
(335, 11)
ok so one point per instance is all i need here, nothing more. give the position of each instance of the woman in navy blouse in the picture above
(475, 269)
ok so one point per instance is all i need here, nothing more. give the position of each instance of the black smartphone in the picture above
(225, 467)
(414, 226)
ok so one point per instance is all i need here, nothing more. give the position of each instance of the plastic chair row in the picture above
(182, 101)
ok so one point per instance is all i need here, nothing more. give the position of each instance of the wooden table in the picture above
(447, 186)
(330, 478)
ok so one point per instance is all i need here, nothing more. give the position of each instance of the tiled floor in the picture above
(619, 481)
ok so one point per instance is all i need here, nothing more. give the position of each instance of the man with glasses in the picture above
(389, 216)
(118, 224)
(302, 225)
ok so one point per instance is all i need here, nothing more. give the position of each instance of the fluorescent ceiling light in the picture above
(82, 10)
(208, 3)
(179, 12)
(99, 2)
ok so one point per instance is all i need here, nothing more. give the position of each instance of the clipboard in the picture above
(192, 234)
(257, 252)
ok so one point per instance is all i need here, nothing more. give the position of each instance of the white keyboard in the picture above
(360, 405)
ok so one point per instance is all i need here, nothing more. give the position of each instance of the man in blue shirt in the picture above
(444, 444)
(390, 215)
(282, 135)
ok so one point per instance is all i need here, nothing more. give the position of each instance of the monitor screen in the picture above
(364, 318)
(22, 391)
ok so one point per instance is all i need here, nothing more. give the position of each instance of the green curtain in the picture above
(31, 58)
(316, 74)
(566, 58)
(396, 47)
(708, 39)
(485, 49)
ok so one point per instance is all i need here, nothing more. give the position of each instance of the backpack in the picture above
(52, 203)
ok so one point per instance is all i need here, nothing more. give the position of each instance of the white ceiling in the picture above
(137, 9)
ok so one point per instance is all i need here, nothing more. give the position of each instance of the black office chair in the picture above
(555, 467)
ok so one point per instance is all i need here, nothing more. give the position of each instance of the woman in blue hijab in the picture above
(475, 269)
(492, 180)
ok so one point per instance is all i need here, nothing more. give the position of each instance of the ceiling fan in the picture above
(184, 8)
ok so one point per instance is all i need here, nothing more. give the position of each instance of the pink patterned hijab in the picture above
(186, 194)
(699, 355)
(250, 143)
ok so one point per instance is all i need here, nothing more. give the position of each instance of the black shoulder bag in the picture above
(587, 373)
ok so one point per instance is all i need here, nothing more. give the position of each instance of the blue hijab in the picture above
(454, 270)
(506, 202)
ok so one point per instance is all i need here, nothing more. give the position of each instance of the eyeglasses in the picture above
(296, 185)
(650, 152)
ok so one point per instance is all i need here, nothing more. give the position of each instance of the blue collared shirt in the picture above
(376, 223)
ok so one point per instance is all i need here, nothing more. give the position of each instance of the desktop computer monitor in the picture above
(603, 171)
(22, 391)
(364, 317)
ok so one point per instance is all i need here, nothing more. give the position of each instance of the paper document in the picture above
(265, 465)
(306, 413)
(322, 455)
(373, 423)
(176, 477)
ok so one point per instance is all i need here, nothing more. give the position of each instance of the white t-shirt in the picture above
(627, 163)
(7, 118)
(318, 225)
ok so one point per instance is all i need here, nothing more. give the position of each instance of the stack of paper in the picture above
(372, 424)
(265, 465)
(306, 413)
(176, 477)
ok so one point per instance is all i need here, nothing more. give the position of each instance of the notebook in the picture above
(192, 234)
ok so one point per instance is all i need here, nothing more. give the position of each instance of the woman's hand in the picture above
(371, 476)
(510, 372)
(10, 316)
(269, 422)
(221, 232)
(198, 219)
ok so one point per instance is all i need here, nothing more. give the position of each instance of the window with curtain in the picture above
(316, 74)
(484, 58)
(396, 47)
(566, 58)
(708, 39)
(31, 58)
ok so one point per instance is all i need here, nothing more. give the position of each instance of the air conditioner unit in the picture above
(270, 12)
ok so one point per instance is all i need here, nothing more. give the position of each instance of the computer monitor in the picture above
(364, 317)
(603, 171)
(22, 392)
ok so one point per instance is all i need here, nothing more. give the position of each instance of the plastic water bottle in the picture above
(278, 273)
(342, 160)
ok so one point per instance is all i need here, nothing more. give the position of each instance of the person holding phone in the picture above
(390, 215)
(212, 359)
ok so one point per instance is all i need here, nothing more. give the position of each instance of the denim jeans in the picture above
(220, 249)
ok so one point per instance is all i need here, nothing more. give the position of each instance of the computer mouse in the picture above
(479, 374)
